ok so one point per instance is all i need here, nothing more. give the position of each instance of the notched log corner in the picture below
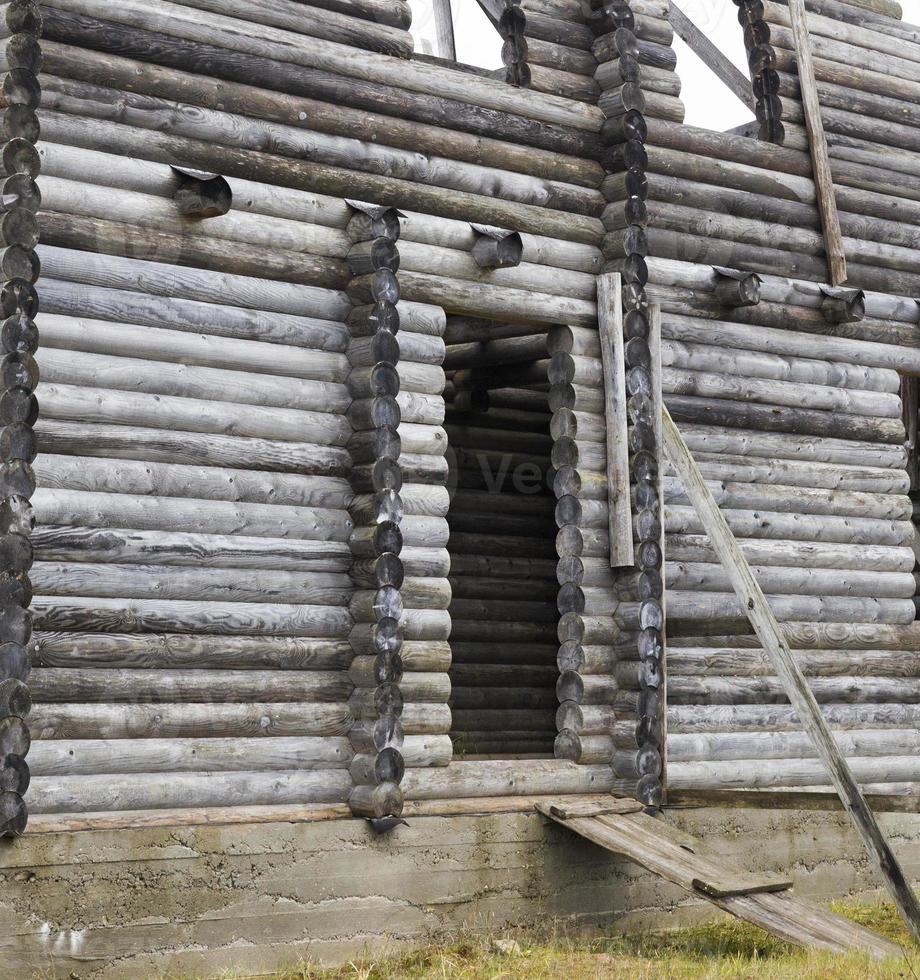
(496, 248)
(201, 194)
(734, 288)
(843, 305)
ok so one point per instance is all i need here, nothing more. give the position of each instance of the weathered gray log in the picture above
(789, 772)
(93, 756)
(196, 720)
(123, 510)
(149, 651)
(70, 794)
(743, 662)
(506, 778)
(156, 616)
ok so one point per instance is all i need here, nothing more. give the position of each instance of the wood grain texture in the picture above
(824, 180)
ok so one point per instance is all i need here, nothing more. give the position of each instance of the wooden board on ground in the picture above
(763, 900)
(574, 808)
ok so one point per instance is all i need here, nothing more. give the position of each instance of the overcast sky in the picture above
(709, 103)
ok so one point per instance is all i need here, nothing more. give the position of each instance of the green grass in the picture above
(727, 949)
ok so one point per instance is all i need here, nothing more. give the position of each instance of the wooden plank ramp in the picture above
(622, 827)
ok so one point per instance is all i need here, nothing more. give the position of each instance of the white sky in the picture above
(709, 103)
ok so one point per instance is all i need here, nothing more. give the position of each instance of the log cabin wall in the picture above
(220, 559)
(787, 393)
(239, 536)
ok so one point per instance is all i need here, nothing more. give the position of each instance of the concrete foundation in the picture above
(251, 898)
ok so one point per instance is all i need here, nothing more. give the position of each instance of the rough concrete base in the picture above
(251, 898)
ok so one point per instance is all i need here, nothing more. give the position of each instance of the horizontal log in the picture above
(481, 698)
(105, 406)
(744, 662)
(711, 577)
(741, 442)
(291, 172)
(79, 508)
(65, 684)
(329, 25)
(680, 519)
(208, 584)
(177, 616)
(163, 651)
(505, 778)
(728, 718)
(788, 772)
(199, 720)
(489, 301)
(736, 387)
(159, 445)
(697, 613)
(69, 794)
(503, 720)
(500, 675)
(796, 499)
(730, 746)
(128, 374)
(796, 554)
(77, 299)
(781, 289)
(471, 652)
(94, 756)
(331, 150)
(156, 344)
(91, 475)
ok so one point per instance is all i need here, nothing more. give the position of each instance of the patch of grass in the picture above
(727, 950)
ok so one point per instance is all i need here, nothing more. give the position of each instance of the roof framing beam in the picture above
(736, 81)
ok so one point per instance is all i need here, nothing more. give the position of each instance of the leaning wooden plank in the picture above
(800, 695)
(667, 852)
(712, 57)
(610, 327)
(824, 180)
(571, 809)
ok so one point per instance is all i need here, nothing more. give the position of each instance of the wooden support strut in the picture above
(765, 900)
(711, 56)
(799, 693)
(444, 27)
(817, 141)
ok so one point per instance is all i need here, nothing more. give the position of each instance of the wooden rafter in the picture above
(738, 83)
(444, 29)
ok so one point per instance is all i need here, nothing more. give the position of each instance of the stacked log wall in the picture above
(788, 394)
(151, 320)
(205, 562)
